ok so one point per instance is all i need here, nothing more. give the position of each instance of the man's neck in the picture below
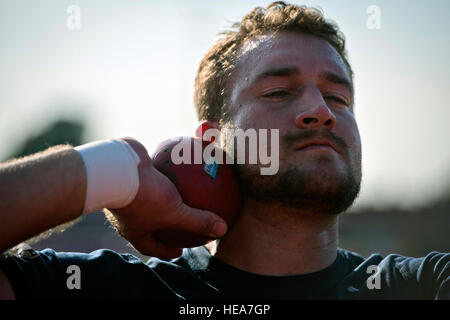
(274, 240)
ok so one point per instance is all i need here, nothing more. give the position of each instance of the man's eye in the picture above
(336, 99)
(276, 94)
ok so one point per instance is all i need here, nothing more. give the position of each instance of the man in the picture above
(283, 67)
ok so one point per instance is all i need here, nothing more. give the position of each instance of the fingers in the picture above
(201, 222)
(168, 211)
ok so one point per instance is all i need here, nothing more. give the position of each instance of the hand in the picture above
(158, 206)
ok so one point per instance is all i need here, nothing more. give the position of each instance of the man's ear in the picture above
(205, 125)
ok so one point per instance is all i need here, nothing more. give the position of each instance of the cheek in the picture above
(352, 136)
(353, 139)
(253, 118)
(356, 138)
(247, 117)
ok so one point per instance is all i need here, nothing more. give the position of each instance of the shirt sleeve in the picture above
(102, 274)
(421, 278)
(435, 273)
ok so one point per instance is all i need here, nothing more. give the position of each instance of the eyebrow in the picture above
(278, 72)
(335, 78)
(293, 70)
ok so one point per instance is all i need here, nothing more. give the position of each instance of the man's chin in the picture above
(324, 192)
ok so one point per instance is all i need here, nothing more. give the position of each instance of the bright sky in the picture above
(129, 71)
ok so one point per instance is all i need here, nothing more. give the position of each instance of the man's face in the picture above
(299, 84)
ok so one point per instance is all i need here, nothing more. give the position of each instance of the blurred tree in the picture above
(59, 132)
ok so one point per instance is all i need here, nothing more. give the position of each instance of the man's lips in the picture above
(317, 145)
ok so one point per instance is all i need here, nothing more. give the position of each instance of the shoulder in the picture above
(426, 277)
(50, 259)
(100, 274)
(399, 277)
(184, 274)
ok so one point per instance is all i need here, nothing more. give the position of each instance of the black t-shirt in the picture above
(196, 275)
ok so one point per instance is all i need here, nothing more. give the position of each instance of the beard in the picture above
(321, 186)
(321, 190)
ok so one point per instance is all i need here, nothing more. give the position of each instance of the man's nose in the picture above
(316, 116)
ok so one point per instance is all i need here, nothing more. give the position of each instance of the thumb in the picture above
(201, 222)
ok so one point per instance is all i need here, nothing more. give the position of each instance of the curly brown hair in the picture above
(215, 68)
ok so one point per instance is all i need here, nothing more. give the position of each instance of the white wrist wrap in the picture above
(112, 174)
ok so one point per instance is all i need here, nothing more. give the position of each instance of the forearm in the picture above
(40, 192)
